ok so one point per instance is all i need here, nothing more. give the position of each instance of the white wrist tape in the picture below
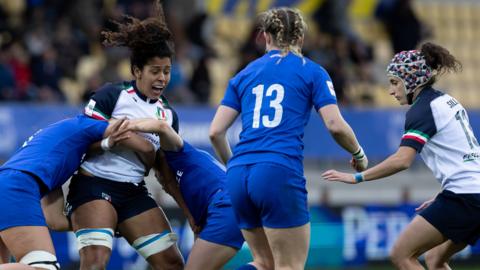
(105, 144)
(359, 154)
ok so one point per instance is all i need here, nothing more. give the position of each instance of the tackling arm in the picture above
(169, 139)
(167, 179)
(224, 118)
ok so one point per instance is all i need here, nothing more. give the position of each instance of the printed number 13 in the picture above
(275, 104)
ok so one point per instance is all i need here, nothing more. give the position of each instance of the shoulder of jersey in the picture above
(109, 88)
(423, 103)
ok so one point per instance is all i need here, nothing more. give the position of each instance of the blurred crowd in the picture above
(51, 49)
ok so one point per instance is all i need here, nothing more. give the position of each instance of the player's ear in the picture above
(267, 37)
(137, 72)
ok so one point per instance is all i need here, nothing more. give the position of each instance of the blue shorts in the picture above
(20, 203)
(128, 199)
(221, 226)
(267, 195)
(456, 216)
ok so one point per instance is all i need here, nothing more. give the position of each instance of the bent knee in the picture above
(94, 257)
(396, 257)
(171, 263)
(94, 263)
(264, 264)
(434, 261)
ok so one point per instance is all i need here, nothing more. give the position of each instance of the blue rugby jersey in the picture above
(54, 153)
(275, 96)
(199, 175)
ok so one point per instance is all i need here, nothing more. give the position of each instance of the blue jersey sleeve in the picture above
(231, 98)
(94, 129)
(323, 91)
(419, 126)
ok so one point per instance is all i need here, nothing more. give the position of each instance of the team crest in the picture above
(161, 115)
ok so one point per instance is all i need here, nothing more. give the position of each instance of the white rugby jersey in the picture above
(437, 127)
(119, 101)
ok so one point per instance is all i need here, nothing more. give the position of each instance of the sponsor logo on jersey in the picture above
(179, 176)
(331, 88)
(471, 157)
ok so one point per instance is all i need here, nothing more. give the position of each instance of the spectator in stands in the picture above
(22, 73)
(344, 48)
(7, 79)
(438, 128)
(403, 26)
(46, 75)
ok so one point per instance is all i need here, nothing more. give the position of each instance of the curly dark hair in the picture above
(439, 59)
(146, 39)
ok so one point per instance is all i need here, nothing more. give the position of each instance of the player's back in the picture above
(199, 176)
(54, 153)
(275, 95)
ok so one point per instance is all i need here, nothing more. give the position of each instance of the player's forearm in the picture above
(343, 134)
(173, 190)
(389, 166)
(169, 183)
(170, 140)
(221, 146)
(339, 128)
(149, 125)
(222, 121)
(138, 144)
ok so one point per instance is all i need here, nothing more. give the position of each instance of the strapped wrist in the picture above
(359, 154)
(359, 177)
(105, 144)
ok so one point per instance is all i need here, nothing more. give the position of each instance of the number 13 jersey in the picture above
(275, 95)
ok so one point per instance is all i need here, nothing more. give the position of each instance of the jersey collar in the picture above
(424, 92)
(142, 96)
(274, 52)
